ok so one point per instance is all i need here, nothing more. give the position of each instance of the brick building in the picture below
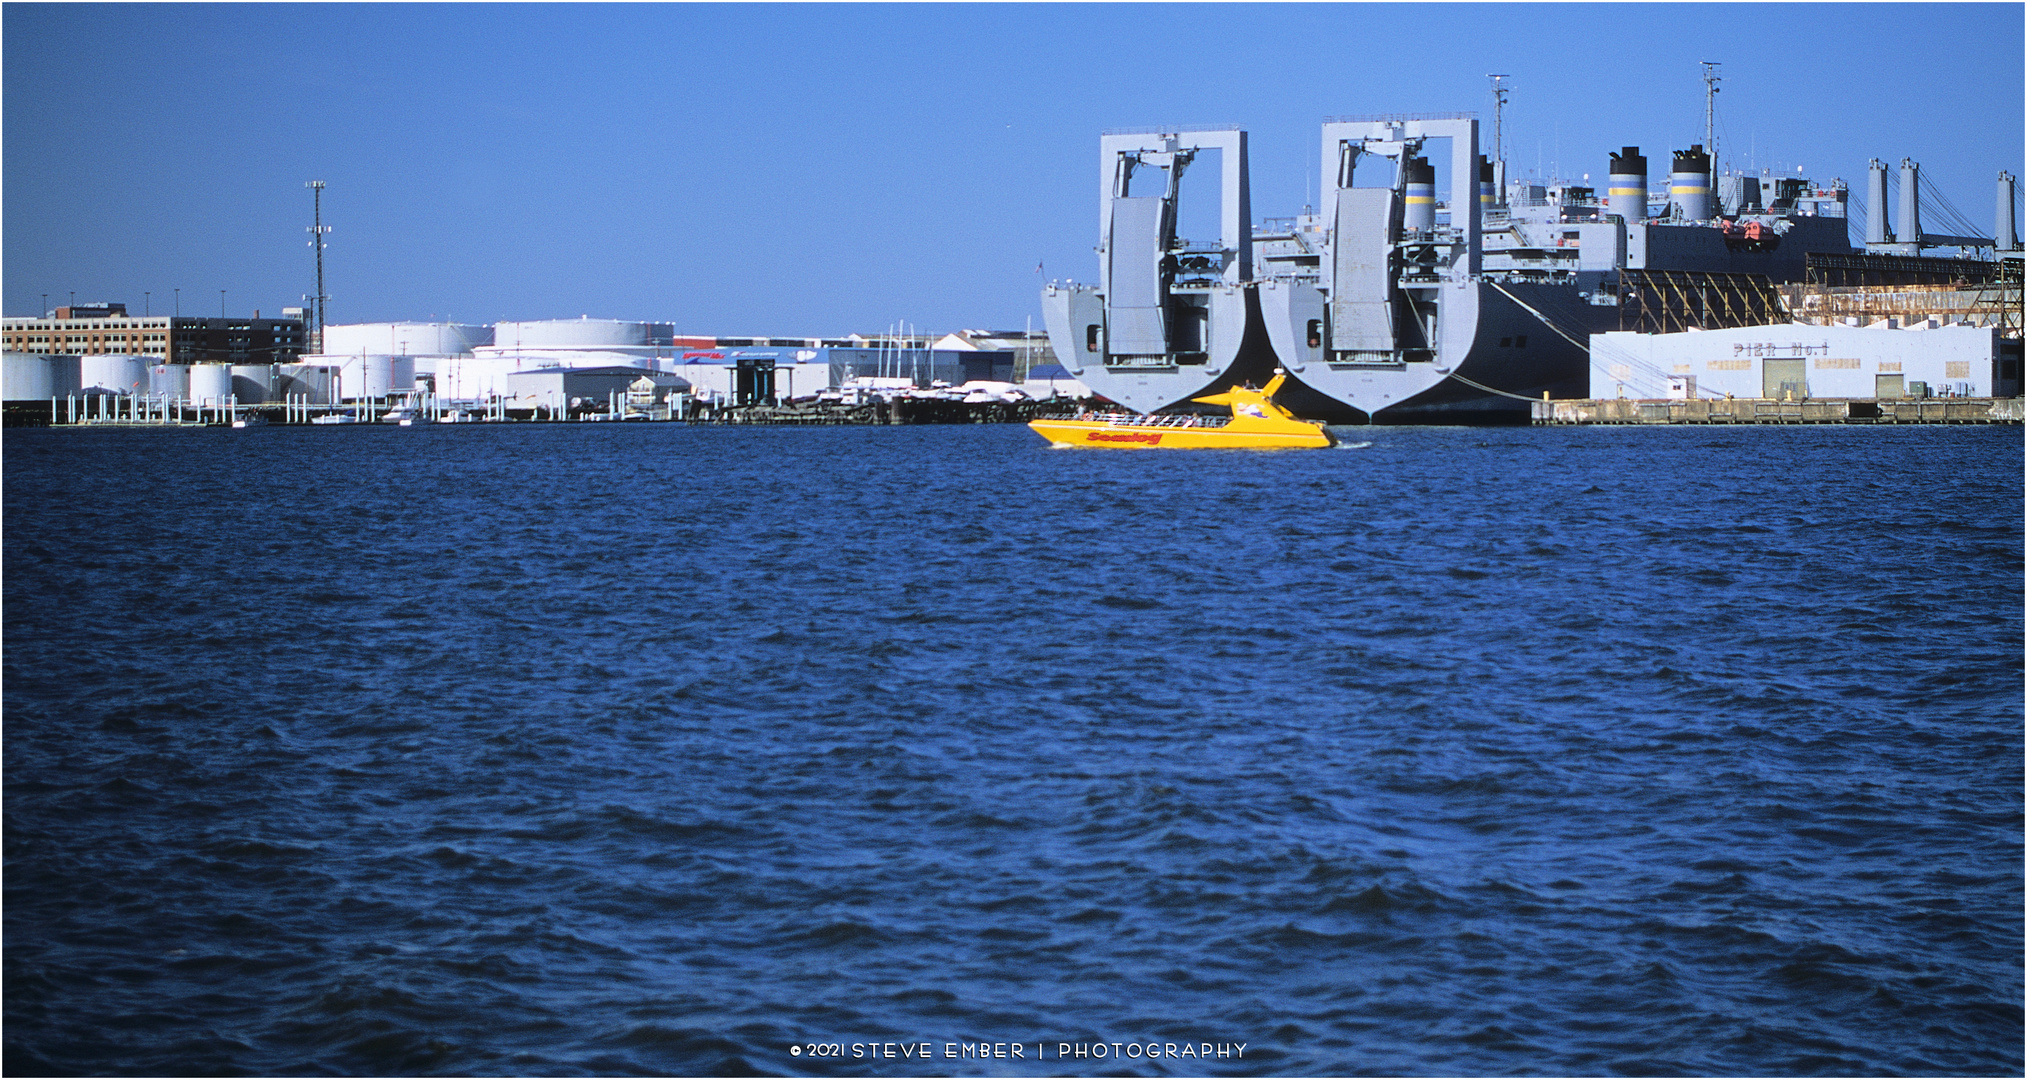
(99, 329)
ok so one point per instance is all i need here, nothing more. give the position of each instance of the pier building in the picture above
(1796, 361)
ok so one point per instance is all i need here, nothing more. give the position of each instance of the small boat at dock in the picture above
(1255, 423)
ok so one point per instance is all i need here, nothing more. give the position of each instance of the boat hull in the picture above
(1104, 435)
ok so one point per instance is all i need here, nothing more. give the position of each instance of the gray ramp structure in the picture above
(1166, 319)
(1394, 308)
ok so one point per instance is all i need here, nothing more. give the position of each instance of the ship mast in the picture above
(1498, 155)
(1710, 81)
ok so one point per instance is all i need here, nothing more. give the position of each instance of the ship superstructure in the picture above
(1422, 289)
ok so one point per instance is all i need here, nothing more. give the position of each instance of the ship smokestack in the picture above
(1420, 213)
(1488, 185)
(1876, 231)
(1626, 192)
(2004, 232)
(1689, 184)
(1910, 201)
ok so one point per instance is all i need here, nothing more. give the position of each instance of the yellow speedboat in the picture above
(1256, 423)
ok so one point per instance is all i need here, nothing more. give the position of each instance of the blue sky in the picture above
(788, 169)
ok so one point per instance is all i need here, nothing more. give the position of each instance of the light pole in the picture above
(221, 303)
(179, 303)
(145, 309)
(317, 232)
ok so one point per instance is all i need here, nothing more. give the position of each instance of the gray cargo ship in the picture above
(1387, 302)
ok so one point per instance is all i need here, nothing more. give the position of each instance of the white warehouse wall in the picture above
(1840, 361)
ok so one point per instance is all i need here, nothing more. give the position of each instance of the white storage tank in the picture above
(315, 384)
(35, 377)
(574, 334)
(476, 378)
(252, 383)
(404, 339)
(169, 380)
(210, 384)
(113, 374)
(370, 376)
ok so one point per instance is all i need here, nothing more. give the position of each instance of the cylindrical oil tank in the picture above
(210, 384)
(475, 378)
(404, 339)
(314, 384)
(1626, 193)
(572, 333)
(372, 376)
(252, 383)
(169, 380)
(400, 374)
(1419, 196)
(1689, 184)
(1910, 201)
(113, 374)
(36, 377)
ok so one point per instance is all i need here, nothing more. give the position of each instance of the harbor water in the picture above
(664, 749)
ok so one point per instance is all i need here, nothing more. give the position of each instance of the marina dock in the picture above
(141, 411)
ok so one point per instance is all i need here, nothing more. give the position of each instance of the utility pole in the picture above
(1710, 81)
(317, 232)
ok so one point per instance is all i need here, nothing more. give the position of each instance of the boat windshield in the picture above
(1156, 420)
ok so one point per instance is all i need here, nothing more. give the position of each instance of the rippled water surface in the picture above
(656, 749)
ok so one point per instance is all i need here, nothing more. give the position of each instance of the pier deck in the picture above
(1768, 411)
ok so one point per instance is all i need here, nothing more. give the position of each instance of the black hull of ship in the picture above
(1514, 351)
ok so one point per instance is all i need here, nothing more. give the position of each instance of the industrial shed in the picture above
(1797, 361)
(560, 390)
